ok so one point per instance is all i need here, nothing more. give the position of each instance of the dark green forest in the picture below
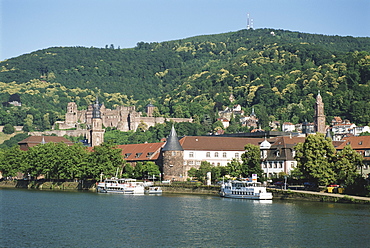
(277, 72)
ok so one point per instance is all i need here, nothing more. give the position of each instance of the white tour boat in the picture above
(121, 185)
(245, 190)
(154, 190)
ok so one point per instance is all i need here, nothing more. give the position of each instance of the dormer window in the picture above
(127, 155)
(360, 143)
(138, 155)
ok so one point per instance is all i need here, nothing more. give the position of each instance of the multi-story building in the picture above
(360, 144)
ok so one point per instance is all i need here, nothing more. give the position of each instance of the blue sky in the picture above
(30, 25)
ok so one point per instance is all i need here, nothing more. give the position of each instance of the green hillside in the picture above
(277, 72)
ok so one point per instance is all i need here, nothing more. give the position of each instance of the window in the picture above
(191, 154)
(173, 153)
(138, 155)
(264, 165)
(191, 162)
(367, 153)
(197, 163)
(216, 154)
(224, 155)
(236, 155)
(127, 155)
(281, 165)
(208, 154)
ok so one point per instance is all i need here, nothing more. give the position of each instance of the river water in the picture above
(32, 218)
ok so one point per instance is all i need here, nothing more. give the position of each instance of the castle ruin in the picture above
(123, 118)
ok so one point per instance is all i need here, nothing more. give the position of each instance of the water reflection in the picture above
(60, 219)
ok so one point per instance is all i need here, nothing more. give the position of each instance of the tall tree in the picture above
(346, 165)
(11, 161)
(315, 159)
(105, 159)
(251, 161)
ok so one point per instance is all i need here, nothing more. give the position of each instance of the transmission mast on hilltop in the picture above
(249, 22)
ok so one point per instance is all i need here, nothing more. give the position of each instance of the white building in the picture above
(216, 150)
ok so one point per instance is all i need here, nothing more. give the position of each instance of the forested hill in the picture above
(277, 72)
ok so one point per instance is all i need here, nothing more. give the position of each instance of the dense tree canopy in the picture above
(279, 75)
(319, 162)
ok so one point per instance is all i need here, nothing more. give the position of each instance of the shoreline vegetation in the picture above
(279, 194)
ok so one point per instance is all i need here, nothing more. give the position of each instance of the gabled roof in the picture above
(140, 152)
(217, 143)
(36, 140)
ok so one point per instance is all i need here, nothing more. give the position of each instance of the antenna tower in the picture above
(249, 22)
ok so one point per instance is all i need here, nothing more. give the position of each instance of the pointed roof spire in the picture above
(172, 143)
(96, 109)
(319, 96)
(253, 114)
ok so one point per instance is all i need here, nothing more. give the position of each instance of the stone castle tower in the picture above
(173, 158)
(71, 115)
(319, 117)
(96, 131)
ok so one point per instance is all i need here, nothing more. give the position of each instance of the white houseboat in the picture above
(121, 185)
(245, 190)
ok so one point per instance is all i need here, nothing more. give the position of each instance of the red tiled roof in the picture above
(288, 141)
(217, 143)
(140, 152)
(36, 140)
(356, 142)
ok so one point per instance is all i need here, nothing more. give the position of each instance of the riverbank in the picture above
(305, 195)
(280, 194)
(45, 185)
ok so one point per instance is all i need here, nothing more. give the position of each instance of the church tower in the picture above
(173, 158)
(319, 117)
(97, 131)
